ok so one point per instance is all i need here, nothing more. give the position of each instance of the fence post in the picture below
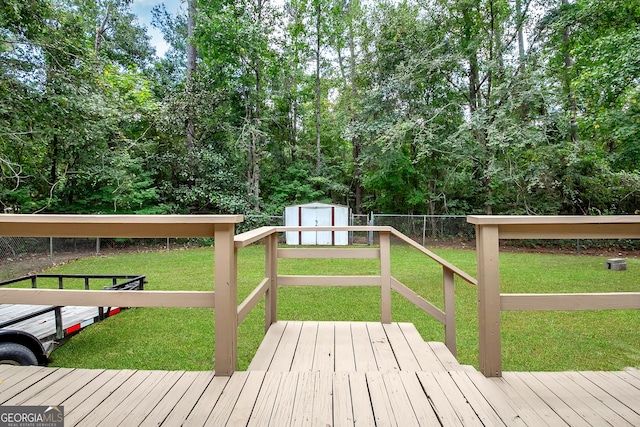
(424, 229)
(271, 272)
(226, 295)
(385, 276)
(449, 310)
(487, 252)
(371, 224)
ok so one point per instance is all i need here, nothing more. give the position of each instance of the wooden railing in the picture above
(490, 229)
(220, 227)
(268, 287)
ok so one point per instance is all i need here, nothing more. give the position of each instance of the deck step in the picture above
(291, 346)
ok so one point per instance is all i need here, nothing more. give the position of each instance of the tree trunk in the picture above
(318, 42)
(357, 171)
(192, 54)
(100, 31)
(571, 99)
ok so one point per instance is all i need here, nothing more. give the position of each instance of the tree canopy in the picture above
(396, 106)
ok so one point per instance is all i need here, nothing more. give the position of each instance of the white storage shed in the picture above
(314, 215)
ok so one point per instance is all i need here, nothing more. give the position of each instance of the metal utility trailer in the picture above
(29, 333)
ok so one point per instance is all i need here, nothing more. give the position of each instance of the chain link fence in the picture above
(24, 255)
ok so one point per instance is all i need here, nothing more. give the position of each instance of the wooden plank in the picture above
(575, 411)
(607, 406)
(385, 277)
(385, 359)
(444, 355)
(172, 406)
(303, 357)
(629, 378)
(35, 388)
(401, 349)
(248, 237)
(24, 379)
(285, 400)
(285, 352)
(382, 411)
(263, 357)
(127, 400)
(441, 404)
(398, 399)
(271, 272)
(265, 401)
(250, 301)
(201, 405)
(303, 405)
(463, 275)
(508, 412)
(424, 354)
(570, 231)
(624, 392)
(83, 405)
(517, 390)
(322, 414)
(333, 253)
(458, 400)
(342, 405)
(552, 219)
(362, 410)
(324, 356)
(418, 301)
(374, 228)
(364, 358)
(227, 401)
(195, 299)
(489, 347)
(65, 388)
(144, 399)
(448, 285)
(476, 399)
(568, 302)
(328, 281)
(419, 401)
(42, 225)
(226, 301)
(345, 358)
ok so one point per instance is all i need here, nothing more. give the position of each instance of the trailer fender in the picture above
(21, 348)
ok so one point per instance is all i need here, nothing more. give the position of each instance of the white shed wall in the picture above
(314, 215)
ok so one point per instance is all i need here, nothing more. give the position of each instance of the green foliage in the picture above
(424, 107)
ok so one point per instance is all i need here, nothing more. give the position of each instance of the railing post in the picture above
(226, 294)
(487, 252)
(385, 276)
(271, 272)
(449, 310)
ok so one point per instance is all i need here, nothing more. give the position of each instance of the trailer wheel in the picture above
(16, 354)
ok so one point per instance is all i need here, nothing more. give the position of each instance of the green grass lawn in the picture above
(163, 338)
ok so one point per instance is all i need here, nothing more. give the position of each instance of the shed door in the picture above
(314, 217)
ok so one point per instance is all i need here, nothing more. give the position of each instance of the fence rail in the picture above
(491, 302)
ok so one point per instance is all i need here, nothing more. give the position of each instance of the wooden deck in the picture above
(332, 374)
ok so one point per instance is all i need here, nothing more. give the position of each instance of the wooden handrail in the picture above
(220, 227)
(385, 281)
(180, 299)
(489, 231)
(463, 275)
(134, 226)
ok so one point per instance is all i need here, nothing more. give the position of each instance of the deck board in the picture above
(323, 394)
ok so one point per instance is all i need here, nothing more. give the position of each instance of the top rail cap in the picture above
(52, 225)
(555, 220)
